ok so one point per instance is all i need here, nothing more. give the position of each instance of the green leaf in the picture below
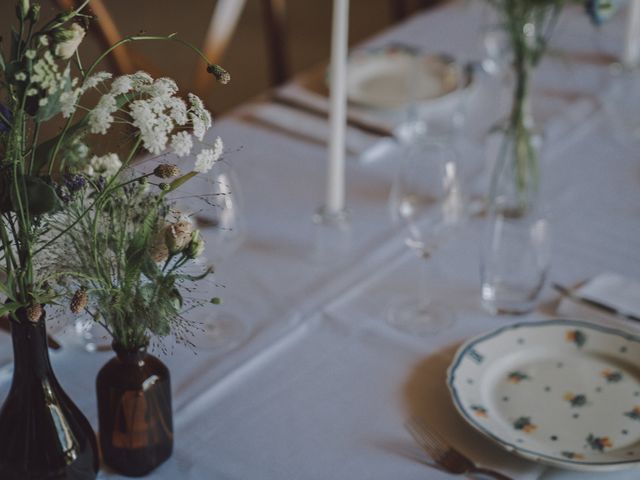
(149, 267)
(15, 43)
(8, 308)
(40, 196)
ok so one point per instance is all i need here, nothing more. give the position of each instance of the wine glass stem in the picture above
(424, 299)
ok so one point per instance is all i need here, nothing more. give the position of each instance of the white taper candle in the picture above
(631, 53)
(334, 202)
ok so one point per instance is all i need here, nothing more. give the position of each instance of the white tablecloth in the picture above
(321, 387)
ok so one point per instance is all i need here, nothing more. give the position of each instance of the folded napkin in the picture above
(611, 289)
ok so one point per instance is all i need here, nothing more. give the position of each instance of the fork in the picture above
(447, 457)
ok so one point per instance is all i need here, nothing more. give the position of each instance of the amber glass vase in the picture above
(134, 412)
(43, 435)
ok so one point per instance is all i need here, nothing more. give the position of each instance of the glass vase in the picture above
(134, 412)
(43, 434)
(515, 248)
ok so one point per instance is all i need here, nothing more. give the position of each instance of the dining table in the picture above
(321, 385)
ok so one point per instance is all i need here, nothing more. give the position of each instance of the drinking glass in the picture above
(427, 202)
(515, 261)
(222, 225)
(421, 118)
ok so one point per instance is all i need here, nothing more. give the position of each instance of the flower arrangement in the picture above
(128, 248)
(51, 189)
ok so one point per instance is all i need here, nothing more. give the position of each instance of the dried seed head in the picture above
(79, 301)
(34, 312)
(166, 170)
(220, 73)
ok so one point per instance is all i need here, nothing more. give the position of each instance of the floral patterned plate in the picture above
(561, 392)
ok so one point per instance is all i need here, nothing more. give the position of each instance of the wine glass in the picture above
(222, 225)
(427, 202)
(419, 116)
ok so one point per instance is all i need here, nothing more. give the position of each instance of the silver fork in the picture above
(445, 456)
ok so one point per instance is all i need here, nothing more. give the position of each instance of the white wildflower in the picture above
(181, 143)
(178, 110)
(44, 40)
(68, 102)
(199, 116)
(43, 101)
(107, 165)
(142, 114)
(20, 76)
(207, 157)
(101, 117)
(95, 80)
(155, 139)
(46, 74)
(70, 41)
(30, 54)
(218, 149)
(140, 79)
(163, 88)
(198, 128)
(81, 149)
(196, 103)
(31, 92)
(121, 85)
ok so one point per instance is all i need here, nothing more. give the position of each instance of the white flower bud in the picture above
(196, 246)
(68, 41)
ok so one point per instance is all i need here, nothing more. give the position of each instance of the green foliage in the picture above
(133, 280)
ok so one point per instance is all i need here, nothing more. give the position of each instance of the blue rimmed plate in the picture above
(561, 392)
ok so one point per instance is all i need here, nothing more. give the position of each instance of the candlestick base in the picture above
(332, 236)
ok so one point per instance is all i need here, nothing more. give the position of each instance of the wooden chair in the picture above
(401, 9)
(222, 25)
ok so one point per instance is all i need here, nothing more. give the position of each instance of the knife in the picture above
(571, 295)
(360, 124)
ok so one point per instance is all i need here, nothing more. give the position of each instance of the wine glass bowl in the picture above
(427, 202)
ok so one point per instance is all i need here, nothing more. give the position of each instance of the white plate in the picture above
(561, 392)
(382, 78)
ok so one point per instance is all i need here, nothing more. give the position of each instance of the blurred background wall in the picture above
(306, 35)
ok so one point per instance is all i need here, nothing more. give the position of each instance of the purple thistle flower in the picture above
(74, 182)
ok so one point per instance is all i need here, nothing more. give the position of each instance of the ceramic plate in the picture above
(382, 78)
(561, 392)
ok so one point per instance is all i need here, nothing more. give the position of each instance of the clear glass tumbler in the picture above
(514, 263)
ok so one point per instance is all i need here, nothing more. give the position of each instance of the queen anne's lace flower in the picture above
(68, 101)
(95, 80)
(199, 116)
(208, 156)
(178, 110)
(162, 88)
(181, 143)
(218, 148)
(140, 78)
(107, 165)
(121, 85)
(46, 74)
(101, 117)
